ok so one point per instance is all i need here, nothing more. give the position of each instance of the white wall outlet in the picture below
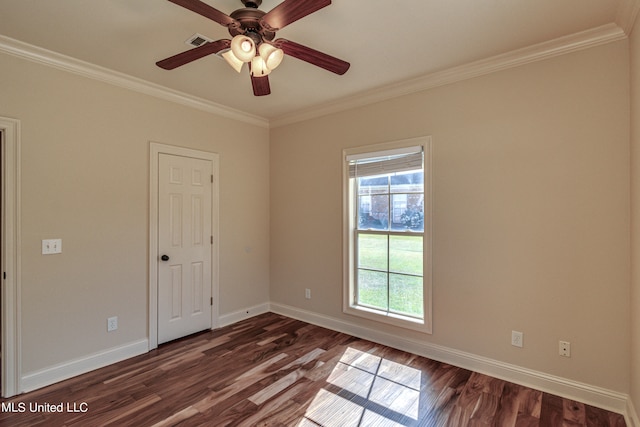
(564, 349)
(307, 293)
(51, 246)
(112, 324)
(517, 339)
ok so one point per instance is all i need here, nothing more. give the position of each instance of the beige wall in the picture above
(531, 217)
(85, 179)
(635, 215)
(531, 211)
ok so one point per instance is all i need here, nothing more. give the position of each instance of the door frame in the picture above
(155, 150)
(11, 297)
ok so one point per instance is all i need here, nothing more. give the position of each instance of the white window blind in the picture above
(383, 162)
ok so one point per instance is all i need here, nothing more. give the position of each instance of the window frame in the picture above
(350, 246)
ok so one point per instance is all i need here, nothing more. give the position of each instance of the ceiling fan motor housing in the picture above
(249, 19)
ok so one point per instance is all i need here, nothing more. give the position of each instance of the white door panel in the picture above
(184, 246)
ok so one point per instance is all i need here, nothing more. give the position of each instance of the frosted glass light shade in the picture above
(232, 60)
(259, 67)
(243, 48)
(271, 55)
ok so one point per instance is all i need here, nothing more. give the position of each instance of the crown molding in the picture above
(66, 63)
(560, 46)
(627, 15)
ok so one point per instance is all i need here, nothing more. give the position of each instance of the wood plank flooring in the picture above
(274, 371)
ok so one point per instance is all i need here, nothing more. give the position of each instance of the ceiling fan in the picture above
(253, 33)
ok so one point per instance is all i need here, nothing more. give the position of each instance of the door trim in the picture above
(11, 297)
(155, 150)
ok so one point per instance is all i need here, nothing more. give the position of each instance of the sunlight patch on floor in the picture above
(366, 390)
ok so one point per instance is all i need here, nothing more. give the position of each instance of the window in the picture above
(387, 273)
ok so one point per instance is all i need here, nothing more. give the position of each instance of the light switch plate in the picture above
(51, 246)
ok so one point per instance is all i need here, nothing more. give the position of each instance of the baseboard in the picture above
(44, 377)
(245, 313)
(592, 395)
(63, 371)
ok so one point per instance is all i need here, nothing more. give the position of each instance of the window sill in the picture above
(389, 318)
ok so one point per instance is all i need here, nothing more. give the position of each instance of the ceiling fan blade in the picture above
(260, 85)
(176, 61)
(290, 11)
(207, 11)
(313, 56)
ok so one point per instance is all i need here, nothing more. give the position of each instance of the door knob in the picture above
(165, 257)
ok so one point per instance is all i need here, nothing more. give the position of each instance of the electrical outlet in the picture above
(565, 349)
(307, 293)
(112, 324)
(517, 338)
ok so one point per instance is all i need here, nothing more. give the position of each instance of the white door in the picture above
(184, 246)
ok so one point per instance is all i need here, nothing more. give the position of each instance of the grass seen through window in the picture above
(390, 273)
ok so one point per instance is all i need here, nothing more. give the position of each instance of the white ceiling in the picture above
(386, 41)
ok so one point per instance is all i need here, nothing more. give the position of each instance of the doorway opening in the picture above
(10, 360)
(1, 250)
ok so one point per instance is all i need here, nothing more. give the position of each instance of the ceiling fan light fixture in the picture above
(232, 60)
(243, 48)
(271, 55)
(259, 67)
(253, 33)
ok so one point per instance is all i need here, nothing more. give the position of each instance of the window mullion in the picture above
(388, 274)
(356, 240)
(389, 222)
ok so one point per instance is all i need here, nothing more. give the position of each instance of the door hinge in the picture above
(4, 275)
(211, 301)
(211, 177)
(212, 240)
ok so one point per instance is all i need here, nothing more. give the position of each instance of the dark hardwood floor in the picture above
(275, 371)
